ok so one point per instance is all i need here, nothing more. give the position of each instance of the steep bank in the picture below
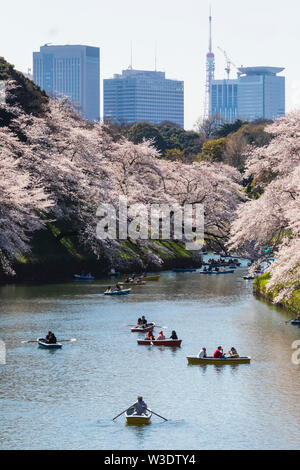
(56, 257)
(260, 289)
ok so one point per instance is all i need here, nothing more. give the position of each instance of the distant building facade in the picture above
(224, 99)
(261, 93)
(257, 93)
(72, 71)
(139, 95)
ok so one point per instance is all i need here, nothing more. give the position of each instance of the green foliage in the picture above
(177, 138)
(27, 94)
(145, 131)
(213, 150)
(229, 127)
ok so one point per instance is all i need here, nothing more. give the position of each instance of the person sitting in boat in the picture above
(118, 287)
(51, 338)
(174, 335)
(219, 353)
(48, 336)
(161, 336)
(140, 407)
(202, 354)
(144, 322)
(205, 269)
(139, 322)
(108, 289)
(233, 353)
(150, 336)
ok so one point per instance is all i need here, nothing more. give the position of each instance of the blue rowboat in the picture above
(217, 272)
(295, 322)
(182, 270)
(80, 277)
(44, 345)
(118, 292)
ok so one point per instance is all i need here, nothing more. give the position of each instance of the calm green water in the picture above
(66, 399)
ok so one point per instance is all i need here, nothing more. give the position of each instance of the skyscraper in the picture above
(257, 93)
(71, 71)
(224, 99)
(139, 95)
(261, 93)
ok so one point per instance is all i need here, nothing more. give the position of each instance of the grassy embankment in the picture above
(260, 289)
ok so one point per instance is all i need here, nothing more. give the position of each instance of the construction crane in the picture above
(229, 63)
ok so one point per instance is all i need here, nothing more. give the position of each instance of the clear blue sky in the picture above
(253, 32)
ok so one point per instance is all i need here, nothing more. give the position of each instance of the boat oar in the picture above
(151, 411)
(72, 340)
(123, 412)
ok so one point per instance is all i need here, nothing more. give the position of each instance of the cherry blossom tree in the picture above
(21, 207)
(273, 220)
(79, 166)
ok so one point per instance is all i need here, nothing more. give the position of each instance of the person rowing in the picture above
(144, 322)
(140, 407)
(51, 338)
(174, 335)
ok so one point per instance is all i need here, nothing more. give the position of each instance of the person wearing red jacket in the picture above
(218, 354)
(150, 336)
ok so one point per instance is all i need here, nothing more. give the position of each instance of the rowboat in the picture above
(138, 420)
(217, 272)
(149, 327)
(295, 322)
(182, 270)
(81, 277)
(151, 278)
(194, 360)
(135, 283)
(248, 278)
(43, 344)
(118, 292)
(172, 343)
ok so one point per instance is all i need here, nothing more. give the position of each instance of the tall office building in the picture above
(71, 71)
(139, 95)
(224, 99)
(261, 93)
(257, 93)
